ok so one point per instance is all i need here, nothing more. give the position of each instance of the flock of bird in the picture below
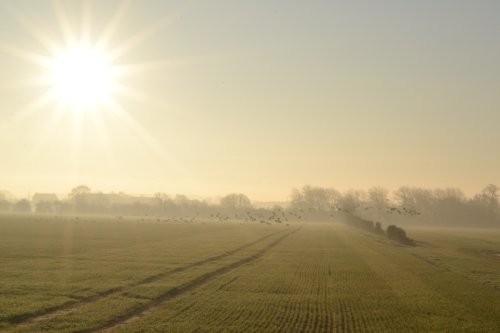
(276, 215)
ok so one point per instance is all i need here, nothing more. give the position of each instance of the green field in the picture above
(66, 274)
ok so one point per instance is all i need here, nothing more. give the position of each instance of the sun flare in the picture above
(80, 76)
(83, 80)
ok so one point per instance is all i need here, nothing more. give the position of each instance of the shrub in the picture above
(378, 228)
(398, 234)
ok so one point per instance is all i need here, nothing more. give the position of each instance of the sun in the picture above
(82, 80)
(83, 69)
(81, 76)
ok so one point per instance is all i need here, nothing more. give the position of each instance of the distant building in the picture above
(44, 197)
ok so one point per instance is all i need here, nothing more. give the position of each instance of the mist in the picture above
(249, 166)
(407, 206)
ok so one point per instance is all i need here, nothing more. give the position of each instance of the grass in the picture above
(93, 274)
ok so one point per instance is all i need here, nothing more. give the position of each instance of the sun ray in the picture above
(105, 141)
(65, 60)
(64, 24)
(134, 68)
(135, 40)
(86, 21)
(112, 26)
(32, 57)
(124, 116)
(39, 103)
(35, 81)
(126, 69)
(76, 143)
(47, 42)
(139, 96)
(54, 119)
(143, 135)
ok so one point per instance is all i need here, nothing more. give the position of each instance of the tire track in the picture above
(141, 310)
(54, 311)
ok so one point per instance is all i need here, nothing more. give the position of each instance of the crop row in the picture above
(329, 279)
(122, 303)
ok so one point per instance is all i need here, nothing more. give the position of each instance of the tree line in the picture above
(81, 200)
(406, 205)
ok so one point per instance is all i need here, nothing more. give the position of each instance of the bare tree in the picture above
(22, 206)
(314, 199)
(352, 201)
(79, 190)
(379, 198)
(235, 201)
(489, 196)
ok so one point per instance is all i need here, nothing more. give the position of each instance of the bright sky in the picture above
(252, 96)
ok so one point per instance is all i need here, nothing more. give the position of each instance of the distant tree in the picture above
(491, 190)
(405, 197)
(62, 207)
(415, 199)
(449, 206)
(44, 207)
(162, 201)
(351, 201)
(448, 197)
(314, 199)
(161, 197)
(79, 197)
(96, 202)
(297, 201)
(79, 190)
(318, 199)
(181, 200)
(22, 206)
(235, 201)
(490, 195)
(4, 205)
(378, 197)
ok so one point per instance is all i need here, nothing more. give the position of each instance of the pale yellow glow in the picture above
(83, 92)
(81, 76)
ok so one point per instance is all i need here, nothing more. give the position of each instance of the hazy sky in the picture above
(261, 96)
